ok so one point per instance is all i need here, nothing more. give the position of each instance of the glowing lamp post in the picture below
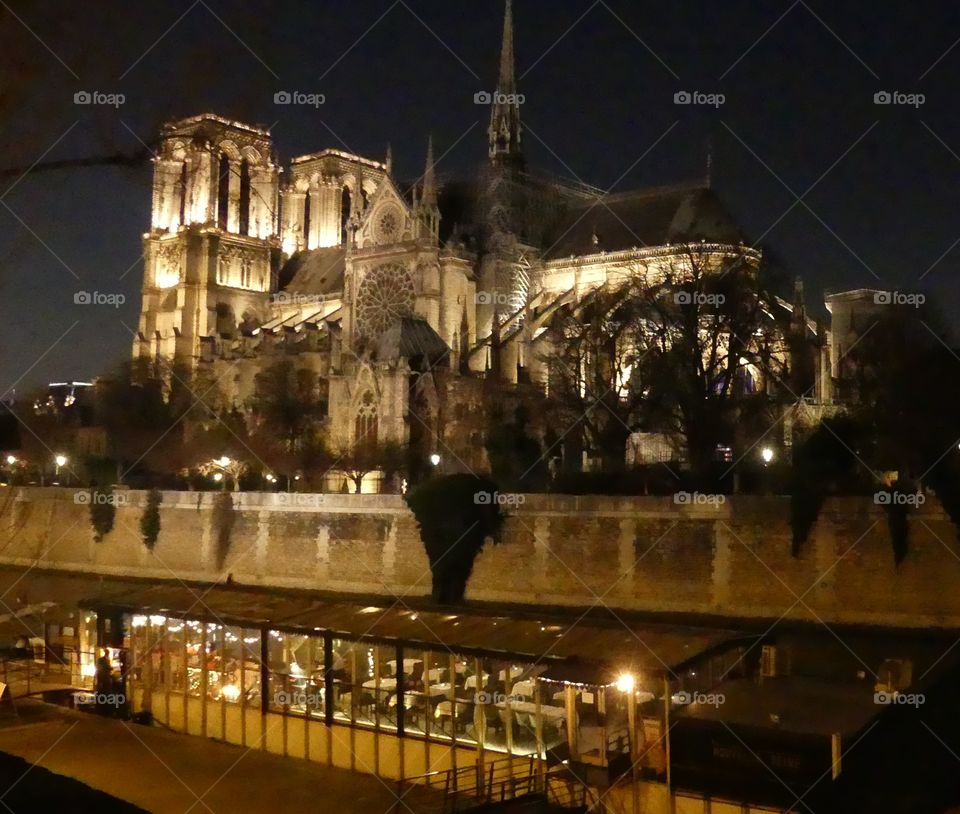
(627, 684)
(60, 460)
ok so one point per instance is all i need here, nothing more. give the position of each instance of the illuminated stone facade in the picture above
(390, 291)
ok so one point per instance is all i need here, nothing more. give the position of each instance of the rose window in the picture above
(384, 296)
(388, 226)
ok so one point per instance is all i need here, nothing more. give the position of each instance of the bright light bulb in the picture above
(231, 692)
(626, 683)
(60, 460)
(11, 460)
(435, 459)
(767, 454)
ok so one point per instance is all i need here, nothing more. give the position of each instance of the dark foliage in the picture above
(898, 522)
(150, 521)
(516, 460)
(456, 514)
(102, 511)
(224, 519)
(820, 463)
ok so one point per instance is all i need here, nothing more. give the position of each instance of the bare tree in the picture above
(682, 346)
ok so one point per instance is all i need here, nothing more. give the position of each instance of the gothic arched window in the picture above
(365, 423)
(244, 225)
(223, 191)
(345, 201)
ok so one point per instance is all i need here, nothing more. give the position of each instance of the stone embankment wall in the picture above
(639, 553)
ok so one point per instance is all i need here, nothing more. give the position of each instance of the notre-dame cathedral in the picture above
(395, 296)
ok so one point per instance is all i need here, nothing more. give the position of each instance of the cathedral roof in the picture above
(643, 218)
(411, 338)
(319, 271)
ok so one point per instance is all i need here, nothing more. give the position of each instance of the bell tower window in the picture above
(244, 197)
(223, 192)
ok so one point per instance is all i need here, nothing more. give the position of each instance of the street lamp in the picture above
(627, 684)
(767, 454)
(60, 460)
(11, 460)
(435, 459)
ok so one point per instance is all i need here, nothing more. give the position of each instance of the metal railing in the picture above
(26, 675)
(467, 787)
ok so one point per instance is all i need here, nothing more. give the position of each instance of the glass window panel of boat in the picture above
(136, 665)
(250, 665)
(431, 710)
(214, 661)
(591, 724)
(196, 657)
(423, 687)
(278, 674)
(88, 647)
(344, 678)
(311, 673)
(231, 666)
(519, 682)
(155, 653)
(388, 677)
(293, 667)
(553, 716)
(365, 684)
(173, 656)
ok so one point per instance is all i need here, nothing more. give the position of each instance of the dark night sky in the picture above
(599, 80)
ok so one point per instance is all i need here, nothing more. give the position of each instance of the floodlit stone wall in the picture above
(729, 558)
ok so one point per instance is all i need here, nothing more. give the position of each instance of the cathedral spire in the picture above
(429, 196)
(505, 130)
(428, 210)
(388, 159)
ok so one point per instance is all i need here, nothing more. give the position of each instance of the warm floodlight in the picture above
(626, 683)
